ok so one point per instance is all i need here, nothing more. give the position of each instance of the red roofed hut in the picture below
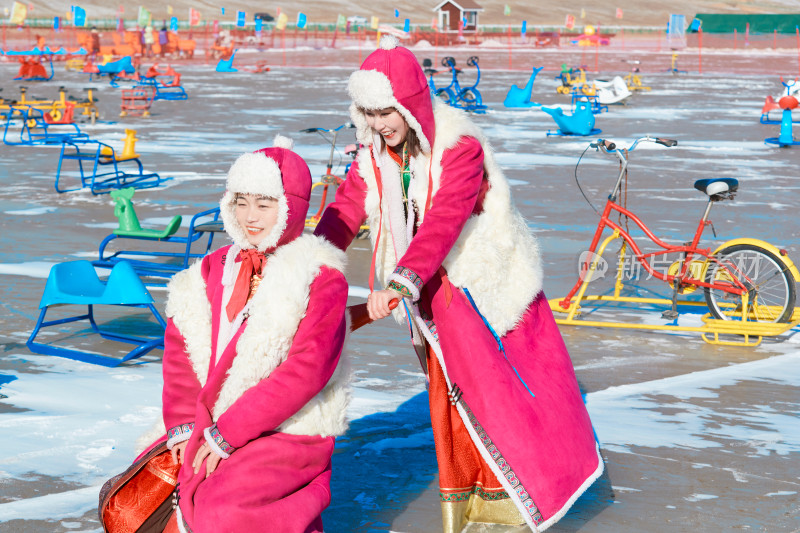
(450, 12)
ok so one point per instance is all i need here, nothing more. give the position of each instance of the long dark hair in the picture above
(412, 141)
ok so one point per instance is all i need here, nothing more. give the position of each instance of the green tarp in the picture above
(712, 23)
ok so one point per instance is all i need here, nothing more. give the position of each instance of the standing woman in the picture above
(514, 442)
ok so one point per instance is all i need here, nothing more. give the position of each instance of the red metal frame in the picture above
(605, 221)
(137, 100)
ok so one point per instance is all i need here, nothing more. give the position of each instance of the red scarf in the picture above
(252, 262)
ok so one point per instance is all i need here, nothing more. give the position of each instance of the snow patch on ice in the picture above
(32, 269)
(33, 211)
(700, 497)
(634, 415)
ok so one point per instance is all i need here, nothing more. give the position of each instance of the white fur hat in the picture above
(267, 172)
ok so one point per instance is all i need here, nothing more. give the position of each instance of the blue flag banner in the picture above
(173, 23)
(524, 26)
(78, 16)
(259, 24)
(223, 10)
(301, 20)
(240, 16)
(56, 23)
(396, 13)
(407, 26)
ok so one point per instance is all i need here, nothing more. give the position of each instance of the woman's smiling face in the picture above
(389, 123)
(256, 215)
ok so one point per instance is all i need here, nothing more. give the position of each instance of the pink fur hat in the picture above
(392, 77)
(276, 172)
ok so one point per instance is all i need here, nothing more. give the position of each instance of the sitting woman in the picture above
(254, 390)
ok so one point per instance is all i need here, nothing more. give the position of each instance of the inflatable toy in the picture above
(581, 122)
(611, 92)
(517, 97)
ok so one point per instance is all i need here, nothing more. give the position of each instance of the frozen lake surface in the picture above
(695, 437)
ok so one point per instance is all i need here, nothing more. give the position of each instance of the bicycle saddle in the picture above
(717, 188)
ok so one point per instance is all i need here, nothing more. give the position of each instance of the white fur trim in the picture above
(496, 256)
(437, 350)
(389, 41)
(237, 234)
(155, 432)
(181, 527)
(577, 494)
(275, 313)
(188, 307)
(281, 141)
(370, 89)
(255, 173)
(213, 445)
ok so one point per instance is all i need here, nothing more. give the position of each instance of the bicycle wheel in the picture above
(446, 96)
(771, 290)
(470, 97)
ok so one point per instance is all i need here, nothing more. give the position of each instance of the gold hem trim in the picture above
(455, 515)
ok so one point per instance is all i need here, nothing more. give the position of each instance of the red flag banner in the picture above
(569, 22)
(619, 12)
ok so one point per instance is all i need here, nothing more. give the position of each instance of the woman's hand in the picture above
(378, 303)
(177, 452)
(202, 453)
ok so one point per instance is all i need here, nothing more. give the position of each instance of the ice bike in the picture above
(329, 178)
(749, 284)
(467, 98)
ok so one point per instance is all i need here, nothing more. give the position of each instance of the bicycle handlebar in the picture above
(611, 147)
(326, 130)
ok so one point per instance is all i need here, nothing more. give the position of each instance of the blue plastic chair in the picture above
(77, 283)
(156, 261)
(164, 92)
(106, 173)
(35, 130)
